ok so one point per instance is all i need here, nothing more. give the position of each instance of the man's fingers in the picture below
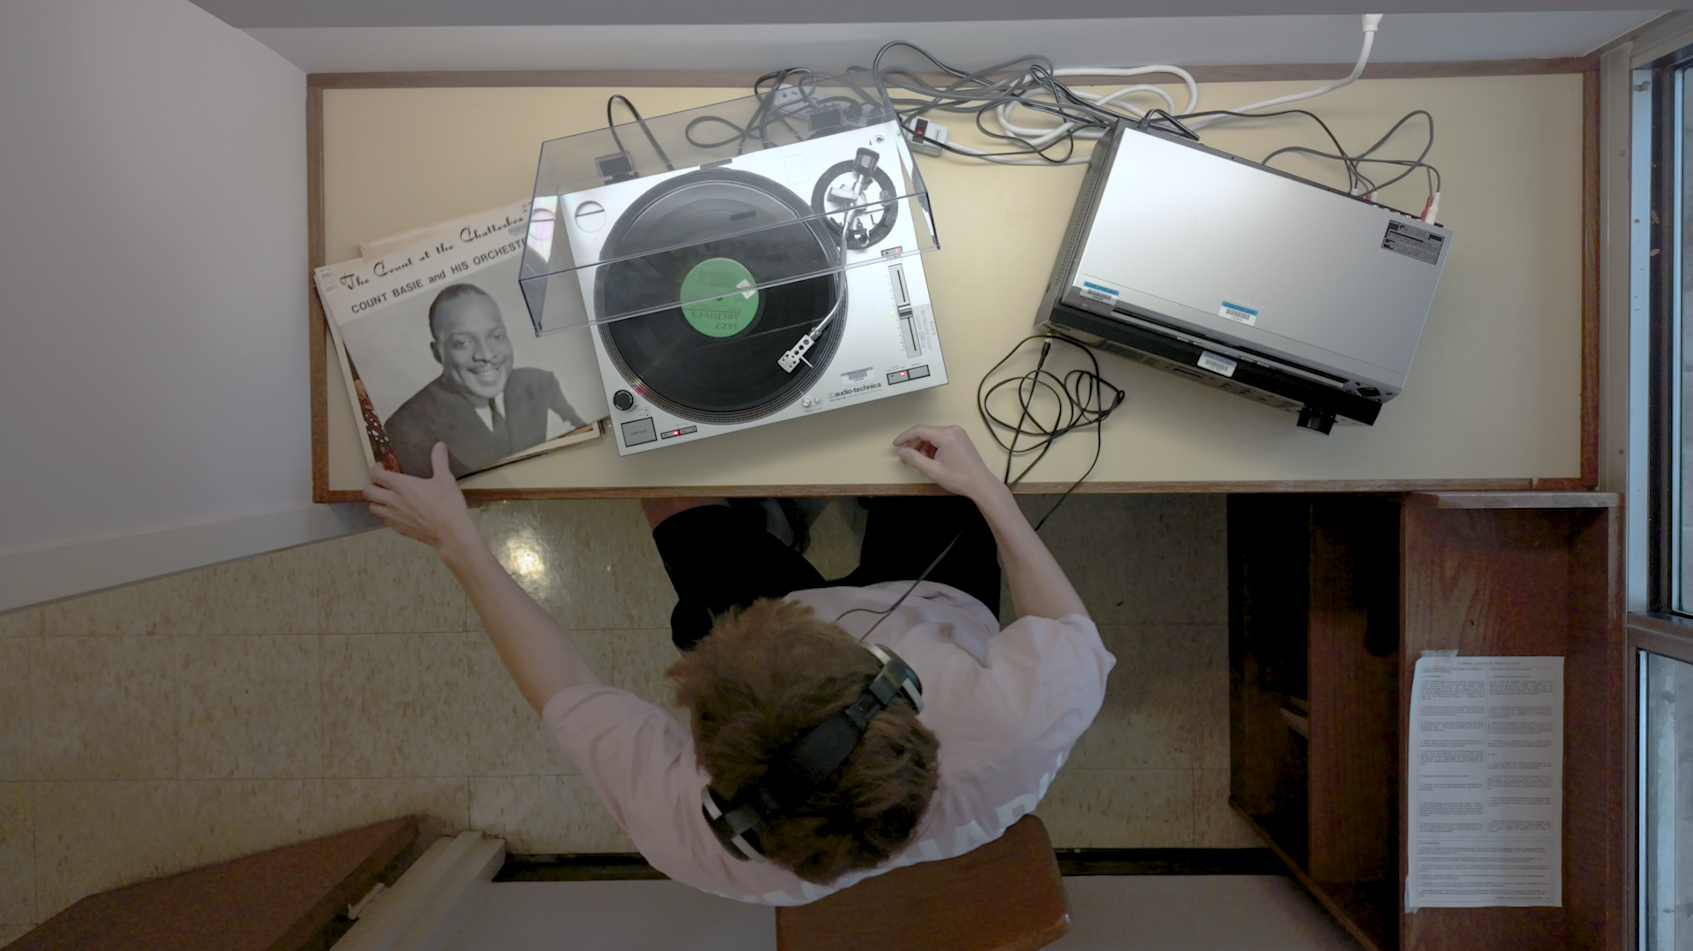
(918, 461)
(438, 462)
(387, 478)
(376, 493)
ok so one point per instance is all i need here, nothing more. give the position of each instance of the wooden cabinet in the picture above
(1332, 599)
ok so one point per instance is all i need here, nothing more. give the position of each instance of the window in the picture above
(1666, 853)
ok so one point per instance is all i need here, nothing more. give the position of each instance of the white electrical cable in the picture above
(1372, 21)
(1044, 136)
(1041, 137)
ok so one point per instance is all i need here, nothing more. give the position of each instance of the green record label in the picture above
(725, 315)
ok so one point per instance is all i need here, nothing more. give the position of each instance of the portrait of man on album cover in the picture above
(482, 406)
(446, 351)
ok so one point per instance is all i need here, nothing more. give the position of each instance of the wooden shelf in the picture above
(1333, 597)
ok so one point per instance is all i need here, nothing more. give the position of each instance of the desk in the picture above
(1495, 399)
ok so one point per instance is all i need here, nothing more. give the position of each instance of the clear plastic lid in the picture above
(699, 211)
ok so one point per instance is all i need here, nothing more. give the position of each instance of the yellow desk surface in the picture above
(1493, 399)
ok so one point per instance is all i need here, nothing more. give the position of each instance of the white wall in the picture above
(1190, 40)
(153, 260)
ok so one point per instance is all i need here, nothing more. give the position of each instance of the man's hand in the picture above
(430, 510)
(947, 456)
(537, 652)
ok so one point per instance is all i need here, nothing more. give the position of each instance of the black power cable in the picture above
(1078, 401)
(612, 125)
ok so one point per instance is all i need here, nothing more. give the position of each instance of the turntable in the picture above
(746, 263)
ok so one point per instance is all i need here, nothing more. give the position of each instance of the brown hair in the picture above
(762, 679)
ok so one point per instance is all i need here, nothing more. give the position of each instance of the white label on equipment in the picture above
(1221, 366)
(1099, 292)
(1238, 312)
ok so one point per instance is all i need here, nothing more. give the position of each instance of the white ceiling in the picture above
(1187, 40)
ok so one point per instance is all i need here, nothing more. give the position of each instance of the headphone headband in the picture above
(810, 761)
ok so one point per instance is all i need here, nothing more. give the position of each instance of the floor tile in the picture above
(1119, 809)
(25, 623)
(837, 534)
(1196, 913)
(506, 736)
(1211, 698)
(17, 853)
(1142, 559)
(394, 704)
(590, 562)
(606, 915)
(1215, 824)
(156, 606)
(236, 817)
(382, 582)
(635, 661)
(275, 593)
(92, 836)
(441, 805)
(106, 708)
(548, 814)
(251, 707)
(1154, 699)
(19, 758)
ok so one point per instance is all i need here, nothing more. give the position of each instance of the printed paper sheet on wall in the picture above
(1484, 782)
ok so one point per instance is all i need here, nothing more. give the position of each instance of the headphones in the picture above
(808, 762)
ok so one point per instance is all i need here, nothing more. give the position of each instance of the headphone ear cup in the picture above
(909, 684)
(722, 825)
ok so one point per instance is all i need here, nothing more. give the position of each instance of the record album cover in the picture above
(436, 345)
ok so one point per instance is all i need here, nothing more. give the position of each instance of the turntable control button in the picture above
(902, 376)
(805, 402)
(623, 399)
(639, 431)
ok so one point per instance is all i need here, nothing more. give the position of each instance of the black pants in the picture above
(720, 558)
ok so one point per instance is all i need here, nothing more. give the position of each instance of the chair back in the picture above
(1006, 895)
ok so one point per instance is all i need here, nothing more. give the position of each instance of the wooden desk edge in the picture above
(1517, 500)
(1529, 493)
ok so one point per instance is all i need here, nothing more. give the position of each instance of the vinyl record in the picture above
(715, 360)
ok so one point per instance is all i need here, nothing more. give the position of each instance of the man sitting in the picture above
(773, 655)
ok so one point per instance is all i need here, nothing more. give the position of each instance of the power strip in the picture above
(925, 136)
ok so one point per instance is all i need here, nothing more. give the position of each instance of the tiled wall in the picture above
(206, 715)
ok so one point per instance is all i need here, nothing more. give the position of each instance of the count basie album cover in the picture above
(435, 343)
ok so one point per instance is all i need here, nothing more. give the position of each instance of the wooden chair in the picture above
(1004, 896)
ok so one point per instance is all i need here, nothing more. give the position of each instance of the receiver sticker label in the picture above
(1413, 242)
(1099, 292)
(1221, 366)
(1240, 313)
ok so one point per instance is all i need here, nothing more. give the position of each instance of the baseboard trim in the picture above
(1253, 861)
(629, 866)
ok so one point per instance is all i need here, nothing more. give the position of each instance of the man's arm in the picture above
(946, 455)
(536, 651)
